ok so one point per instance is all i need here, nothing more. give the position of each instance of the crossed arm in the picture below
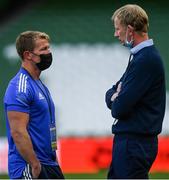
(122, 98)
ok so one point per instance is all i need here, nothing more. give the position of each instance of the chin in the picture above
(122, 42)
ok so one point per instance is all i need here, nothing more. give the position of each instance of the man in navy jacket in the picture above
(137, 100)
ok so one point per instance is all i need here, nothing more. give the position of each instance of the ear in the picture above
(27, 55)
(130, 29)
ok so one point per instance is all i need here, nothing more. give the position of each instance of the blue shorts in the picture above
(47, 172)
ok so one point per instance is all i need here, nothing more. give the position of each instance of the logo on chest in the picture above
(41, 96)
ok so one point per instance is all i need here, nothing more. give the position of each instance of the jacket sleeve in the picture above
(137, 81)
(110, 93)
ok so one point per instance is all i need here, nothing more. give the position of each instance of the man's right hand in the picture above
(117, 92)
(36, 169)
(119, 87)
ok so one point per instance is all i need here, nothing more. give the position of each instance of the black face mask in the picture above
(45, 61)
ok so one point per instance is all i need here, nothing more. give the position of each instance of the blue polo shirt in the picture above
(24, 94)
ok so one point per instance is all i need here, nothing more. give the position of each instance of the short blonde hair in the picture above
(134, 15)
(26, 41)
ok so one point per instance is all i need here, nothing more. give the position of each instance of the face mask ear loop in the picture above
(126, 38)
(128, 43)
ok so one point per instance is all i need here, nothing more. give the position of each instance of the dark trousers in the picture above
(132, 156)
(47, 172)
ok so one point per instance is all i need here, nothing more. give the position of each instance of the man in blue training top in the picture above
(30, 113)
(137, 100)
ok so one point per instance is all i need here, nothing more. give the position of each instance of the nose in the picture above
(115, 34)
(48, 50)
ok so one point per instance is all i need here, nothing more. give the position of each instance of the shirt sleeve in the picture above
(17, 99)
(137, 82)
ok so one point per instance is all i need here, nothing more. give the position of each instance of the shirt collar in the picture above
(142, 45)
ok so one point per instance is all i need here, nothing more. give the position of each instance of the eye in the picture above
(45, 48)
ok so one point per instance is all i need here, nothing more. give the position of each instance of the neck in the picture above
(138, 38)
(34, 72)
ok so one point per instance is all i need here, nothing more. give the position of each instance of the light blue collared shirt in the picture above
(142, 45)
